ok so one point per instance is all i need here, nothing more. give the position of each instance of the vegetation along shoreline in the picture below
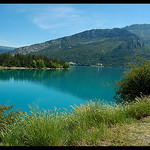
(125, 123)
(1, 67)
(20, 61)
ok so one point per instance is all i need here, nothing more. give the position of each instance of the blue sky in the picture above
(26, 24)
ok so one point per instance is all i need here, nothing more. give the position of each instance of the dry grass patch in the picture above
(140, 132)
(133, 134)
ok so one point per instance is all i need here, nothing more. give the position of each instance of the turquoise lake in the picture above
(59, 89)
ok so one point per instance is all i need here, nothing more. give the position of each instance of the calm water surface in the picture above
(57, 88)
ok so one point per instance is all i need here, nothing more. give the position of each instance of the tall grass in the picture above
(85, 125)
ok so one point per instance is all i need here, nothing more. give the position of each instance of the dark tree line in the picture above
(31, 61)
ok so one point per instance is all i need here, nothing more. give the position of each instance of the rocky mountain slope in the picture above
(106, 46)
(141, 30)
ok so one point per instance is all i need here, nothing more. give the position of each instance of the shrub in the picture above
(7, 115)
(66, 65)
(40, 128)
(139, 108)
(134, 83)
(34, 64)
(40, 64)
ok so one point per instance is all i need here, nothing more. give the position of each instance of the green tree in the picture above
(40, 64)
(135, 82)
(66, 65)
(6, 59)
(52, 64)
(30, 61)
(16, 61)
(34, 64)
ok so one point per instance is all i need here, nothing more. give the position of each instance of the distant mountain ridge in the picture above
(141, 30)
(107, 46)
(5, 49)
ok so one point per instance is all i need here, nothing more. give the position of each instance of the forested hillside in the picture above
(141, 30)
(106, 46)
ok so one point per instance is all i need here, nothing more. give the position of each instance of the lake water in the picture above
(57, 88)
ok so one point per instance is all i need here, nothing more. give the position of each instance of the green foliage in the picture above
(30, 61)
(108, 47)
(66, 65)
(7, 115)
(53, 64)
(109, 52)
(40, 128)
(139, 108)
(34, 64)
(141, 30)
(135, 81)
(40, 64)
(86, 123)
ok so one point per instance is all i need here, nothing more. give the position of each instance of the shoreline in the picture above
(2, 67)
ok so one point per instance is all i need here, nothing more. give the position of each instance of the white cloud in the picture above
(11, 44)
(65, 16)
(4, 42)
(57, 16)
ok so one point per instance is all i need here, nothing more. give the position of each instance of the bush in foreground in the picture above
(7, 115)
(135, 82)
(85, 125)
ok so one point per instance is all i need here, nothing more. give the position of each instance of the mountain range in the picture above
(5, 49)
(141, 30)
(106, 46)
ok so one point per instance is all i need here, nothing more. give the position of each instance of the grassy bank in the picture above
(90, 124)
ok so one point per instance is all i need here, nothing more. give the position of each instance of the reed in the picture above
(86, 125)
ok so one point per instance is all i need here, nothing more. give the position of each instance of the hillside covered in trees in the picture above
(141, 30)
(105, 46)
(31, 61)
